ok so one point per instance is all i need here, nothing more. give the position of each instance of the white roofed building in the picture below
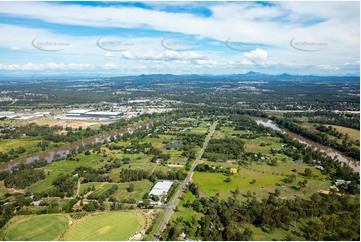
(92, 114)
(161, 191)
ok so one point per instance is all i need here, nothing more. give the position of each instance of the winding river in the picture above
(64, 150)
(353, 163)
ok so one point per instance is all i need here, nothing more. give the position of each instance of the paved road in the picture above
(175, 201)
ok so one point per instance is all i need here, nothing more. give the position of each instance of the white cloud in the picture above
(47, 66)
(108, 54)
(127, 55)
(328, 67)
(169, 55)
(15, 48)
(256, 57)
(205, 62)
(245, 21)
(110, 66)
(274, 26)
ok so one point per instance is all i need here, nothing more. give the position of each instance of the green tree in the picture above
(131, 187)
(308, 172)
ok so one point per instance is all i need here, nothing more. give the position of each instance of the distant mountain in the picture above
(249, 76)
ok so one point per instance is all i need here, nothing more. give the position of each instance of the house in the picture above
(341, 182)
(320, 168)
(233, 170)
(36, 203)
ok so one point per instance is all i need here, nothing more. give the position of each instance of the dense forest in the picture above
(223, 149)
(321, 217)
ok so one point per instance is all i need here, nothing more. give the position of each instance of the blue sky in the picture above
(132, 38)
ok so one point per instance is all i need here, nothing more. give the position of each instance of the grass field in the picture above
(267, 177)
(67, 166)
(26, 142)
(254, 145)
(104, 226)
(45, 184)
(102, 188)
(353, 133)
(43, 227)
(140, 188)
(186, 213)
(260, 235)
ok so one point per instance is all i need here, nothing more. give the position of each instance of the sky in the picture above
(133, 38)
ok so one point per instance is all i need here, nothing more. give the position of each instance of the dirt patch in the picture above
(172, 165)
(13, 190)
(70, 123)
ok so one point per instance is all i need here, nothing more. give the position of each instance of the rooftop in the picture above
(104, 113)
(80, 111)
(160, 188)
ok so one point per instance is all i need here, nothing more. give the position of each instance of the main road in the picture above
(175, 201)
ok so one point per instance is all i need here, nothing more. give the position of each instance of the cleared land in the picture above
(353, 133)
(71, 123)
(43, 227)
(267, 180)
(104, 226)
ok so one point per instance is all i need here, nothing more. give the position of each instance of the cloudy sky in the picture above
(132, 38)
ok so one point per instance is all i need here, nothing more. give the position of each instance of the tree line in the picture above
(325, 217)
(319, 137)
(128, 175)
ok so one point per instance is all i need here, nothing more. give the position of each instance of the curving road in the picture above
(179, 193)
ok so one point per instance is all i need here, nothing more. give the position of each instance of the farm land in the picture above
(259, 173)
(172, 150)
(110, 182)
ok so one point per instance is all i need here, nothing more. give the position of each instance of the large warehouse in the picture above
(92, 114)
(161, 190)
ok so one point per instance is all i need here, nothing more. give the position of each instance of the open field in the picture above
(26, 142)
(268, 178)
(45, 184)
(70, 123)
(186, 213)
(260, 235)
(104, 226)
(42, 227)
(140, 188)
(65, 166)
(102, 188)
(353, 133)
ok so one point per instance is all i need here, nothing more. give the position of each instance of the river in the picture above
(64, 150)
(353, 163)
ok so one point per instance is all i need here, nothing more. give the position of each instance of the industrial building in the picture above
(92, 114)
(160, 190)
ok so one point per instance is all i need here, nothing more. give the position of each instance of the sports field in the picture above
(104, 226)
(43, 227)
